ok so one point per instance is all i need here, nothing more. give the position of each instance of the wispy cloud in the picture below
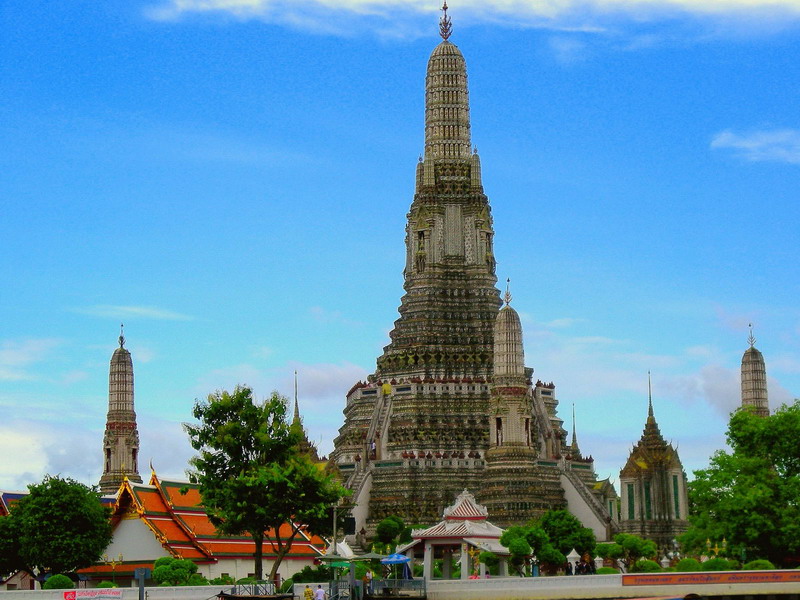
(16, 356)
(386, 17)
(132, 312)
(775, 145)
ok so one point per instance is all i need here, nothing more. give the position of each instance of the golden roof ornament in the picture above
(445, 26)
(751, 339)
(507, 296)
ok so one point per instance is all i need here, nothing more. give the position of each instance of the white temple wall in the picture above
(578, 507)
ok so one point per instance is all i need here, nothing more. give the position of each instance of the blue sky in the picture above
(230, 179)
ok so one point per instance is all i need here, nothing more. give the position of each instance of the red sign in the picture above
(711, 577)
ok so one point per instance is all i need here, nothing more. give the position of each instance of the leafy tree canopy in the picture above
(252, 474)
(389, 529)
(567, 532)
(58, 581)
(176, 571)
(750, 496)
(59, 527)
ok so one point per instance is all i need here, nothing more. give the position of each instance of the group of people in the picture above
(582, 567)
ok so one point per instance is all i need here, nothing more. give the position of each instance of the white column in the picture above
(427, 561)
(464, 561)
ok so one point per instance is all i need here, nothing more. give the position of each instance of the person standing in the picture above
(308, 593)
(319, 593)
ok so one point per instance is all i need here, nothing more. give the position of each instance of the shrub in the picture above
(717, 564)
(222, 580)
(688, 565)
(247, 580)
(58, 582)
(311, 574)
(490, 559)
(758, 565)
(646, 566)
(607, 571)
(106, 584)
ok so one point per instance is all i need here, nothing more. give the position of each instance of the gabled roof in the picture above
(174, 512)
(8, 499)
(464, 519)
(465, 507)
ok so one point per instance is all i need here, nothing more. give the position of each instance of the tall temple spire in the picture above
(649, 398)
(121, 439)
(296, 418)
(754, 379)
(574, 429)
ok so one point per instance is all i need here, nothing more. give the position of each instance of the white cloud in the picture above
(120, 312)
(776, 145)
(392, 17)
(16, 356)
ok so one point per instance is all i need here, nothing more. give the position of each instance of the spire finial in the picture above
(649, 397)
(751, 339)
(296, 405)
(574, 434)
(121, 335)
(507, 296)
(445, 26)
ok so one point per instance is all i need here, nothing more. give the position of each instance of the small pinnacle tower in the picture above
(121, 440)
(517, 489)
(754, 379)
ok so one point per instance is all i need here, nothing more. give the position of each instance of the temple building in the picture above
(654, 495)
(754, 380)
(121, 440)
(451, 405)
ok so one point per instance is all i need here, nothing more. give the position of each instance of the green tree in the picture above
(253, 476)
(58, 581)
(567, 532)
(59, 527)
(388, 529)
(176, 571)
(750, 496)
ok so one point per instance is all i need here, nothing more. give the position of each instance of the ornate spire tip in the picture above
(445, 26)
(751, 339)
(507, 296)
(121, 335)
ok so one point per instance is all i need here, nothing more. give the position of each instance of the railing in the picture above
(260, 588)
(381, 588)
(597, 507)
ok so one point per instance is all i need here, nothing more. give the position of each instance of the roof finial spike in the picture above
(121, 335)
(574, 434)
(507, 296)
(751, 339)
(649, 397)
(445, 26)
(296, 405)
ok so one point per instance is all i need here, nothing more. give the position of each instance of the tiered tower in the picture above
(517, 488)
(654, 502)
(424, 425)
(416, 432)
(754, 379)
(121, 440)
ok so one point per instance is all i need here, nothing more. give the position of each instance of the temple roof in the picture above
(652, 451)
(465, 518)
(173, 510)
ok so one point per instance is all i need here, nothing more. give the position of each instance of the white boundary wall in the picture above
(589, 586)
(577, 587)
